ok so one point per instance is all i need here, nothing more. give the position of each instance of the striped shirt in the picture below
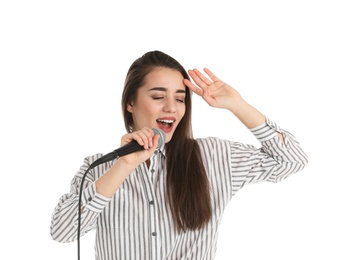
(136, 222)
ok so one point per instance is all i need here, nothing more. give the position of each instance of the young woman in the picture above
(167, 202)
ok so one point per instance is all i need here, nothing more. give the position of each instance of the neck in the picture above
(148, 163)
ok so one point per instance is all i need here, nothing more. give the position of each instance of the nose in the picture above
(169, 105)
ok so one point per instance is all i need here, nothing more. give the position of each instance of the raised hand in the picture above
(213, 90)
(219, 94)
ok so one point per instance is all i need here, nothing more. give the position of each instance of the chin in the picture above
(169, 137)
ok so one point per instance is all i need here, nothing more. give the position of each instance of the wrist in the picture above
(110, 182)
(125, 166)
(247, 114)
(238, 105)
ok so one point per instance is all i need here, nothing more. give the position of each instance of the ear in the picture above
(130, 107)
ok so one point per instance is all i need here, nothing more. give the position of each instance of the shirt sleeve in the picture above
(64, 221)
(273, 162)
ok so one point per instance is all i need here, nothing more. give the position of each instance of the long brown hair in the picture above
(187, 183)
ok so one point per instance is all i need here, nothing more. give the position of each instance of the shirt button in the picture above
(154, 234)
(89, 199)
(151, 202)
(152, 170)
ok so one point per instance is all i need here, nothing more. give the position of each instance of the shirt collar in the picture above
(161, 150)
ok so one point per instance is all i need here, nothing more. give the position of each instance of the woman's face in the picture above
(160, 102)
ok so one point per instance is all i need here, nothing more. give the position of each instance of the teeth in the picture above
(166, 121)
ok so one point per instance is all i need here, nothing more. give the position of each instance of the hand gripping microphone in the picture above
(124, 150)
(128, 149)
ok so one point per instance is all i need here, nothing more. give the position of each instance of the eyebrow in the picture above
(164, 89)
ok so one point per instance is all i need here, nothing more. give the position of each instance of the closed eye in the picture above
(157, 98)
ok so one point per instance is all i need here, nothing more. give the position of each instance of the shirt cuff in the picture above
(94, 201)
(266, 131)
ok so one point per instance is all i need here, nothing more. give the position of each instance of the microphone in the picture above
(128, 149)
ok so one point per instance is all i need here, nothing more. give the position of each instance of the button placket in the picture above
(149, 187)
(153, 205)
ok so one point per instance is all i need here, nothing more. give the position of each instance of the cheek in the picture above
(142, 107)
(183, 111)
(145, 112)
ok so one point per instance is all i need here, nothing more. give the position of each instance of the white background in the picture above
(62, 67)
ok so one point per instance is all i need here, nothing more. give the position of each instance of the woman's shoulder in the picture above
(210, 139)
(212, 142)
(92, 158)
(89, 160)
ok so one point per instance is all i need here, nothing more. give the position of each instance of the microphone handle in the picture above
(105, 158)
(127, 149)
(124, 150)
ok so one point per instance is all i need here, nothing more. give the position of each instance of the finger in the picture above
(144, 137)
(149, 134)
(193, 87)
(202, 77)
(156, 141)
(140, 139)
(211, 75)
(197, 78)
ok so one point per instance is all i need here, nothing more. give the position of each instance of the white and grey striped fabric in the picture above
(136, 223)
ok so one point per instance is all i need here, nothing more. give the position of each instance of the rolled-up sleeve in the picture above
(273, 161)
(64, 221)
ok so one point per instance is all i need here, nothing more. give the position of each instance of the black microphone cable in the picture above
(80, 211)
(111, 156)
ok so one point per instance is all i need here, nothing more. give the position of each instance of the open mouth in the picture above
(165, 124)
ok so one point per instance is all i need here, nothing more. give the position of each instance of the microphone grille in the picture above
(162, 135)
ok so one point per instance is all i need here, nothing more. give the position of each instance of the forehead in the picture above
(164, 77)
